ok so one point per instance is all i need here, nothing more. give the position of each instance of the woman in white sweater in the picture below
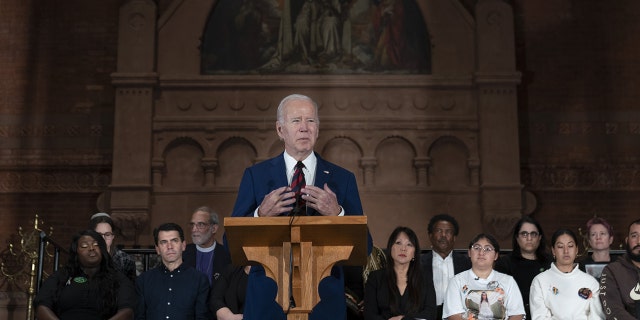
(565, 292)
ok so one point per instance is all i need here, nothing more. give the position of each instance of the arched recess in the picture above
(234, 155)
(395, 167)
(346, 153)
(449, 163)
(469, 91)
(183, 164)
(276, 148)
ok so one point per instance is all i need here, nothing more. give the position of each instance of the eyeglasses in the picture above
(199, 225)
(107, 235)
(479, 248)
(524, 234)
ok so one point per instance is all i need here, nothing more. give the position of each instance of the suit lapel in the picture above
(322, 172)
(278, 172)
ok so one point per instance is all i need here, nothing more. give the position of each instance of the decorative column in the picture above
(135, 82)
(474, 171)
(158, 167)
(210, 165)
(496, 80)
(369, 165)
(422, 165)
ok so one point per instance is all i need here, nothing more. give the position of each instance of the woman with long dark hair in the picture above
(528, 258)
(88, 287)
(399, 291)
(564, 291)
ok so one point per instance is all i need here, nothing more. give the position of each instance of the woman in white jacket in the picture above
(564, 291)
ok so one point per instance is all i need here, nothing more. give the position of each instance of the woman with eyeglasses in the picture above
(600, 235)
(400, 291)
(102, 224)
(88, 287)
(564, 291)
(481, 292)
(528, 258)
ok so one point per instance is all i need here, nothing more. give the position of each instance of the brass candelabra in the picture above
(19, 266)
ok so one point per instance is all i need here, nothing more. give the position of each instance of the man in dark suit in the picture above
(442, 263)
(267, 189)
(205, 253)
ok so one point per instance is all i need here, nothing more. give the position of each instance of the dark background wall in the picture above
(579, 120)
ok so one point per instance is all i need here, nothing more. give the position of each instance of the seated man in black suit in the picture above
(442, 263)
(205, 253)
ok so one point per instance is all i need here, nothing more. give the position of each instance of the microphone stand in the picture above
(294, 212)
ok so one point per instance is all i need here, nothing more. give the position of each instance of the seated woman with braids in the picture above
(88, 287)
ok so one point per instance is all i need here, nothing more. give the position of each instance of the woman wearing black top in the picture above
(528, 258)
(399, 291)
(88, 287)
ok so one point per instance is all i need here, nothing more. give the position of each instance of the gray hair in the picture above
(291, 97)
(213, 216)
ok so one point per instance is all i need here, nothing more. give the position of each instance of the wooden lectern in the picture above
(318, 243)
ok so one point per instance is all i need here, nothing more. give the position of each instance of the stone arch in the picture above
(344, 152)
(233, 155)
(470, 91)
(449, 166)
(183, 164)
(395, 163)
(275, 149)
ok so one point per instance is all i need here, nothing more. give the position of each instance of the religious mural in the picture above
(315, 36)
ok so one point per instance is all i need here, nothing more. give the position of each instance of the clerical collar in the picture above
(201, 249)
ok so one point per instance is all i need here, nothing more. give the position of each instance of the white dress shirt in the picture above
(442, 273)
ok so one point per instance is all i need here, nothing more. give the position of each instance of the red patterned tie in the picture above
(297, 183)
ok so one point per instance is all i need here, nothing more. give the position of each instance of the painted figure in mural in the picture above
(305, 30)
(315, 36)
(388, 24)
(331, 26)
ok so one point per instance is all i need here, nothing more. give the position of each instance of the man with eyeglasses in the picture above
(205, 253)
(442, 263)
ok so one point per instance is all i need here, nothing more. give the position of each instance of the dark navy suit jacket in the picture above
(264, 177)
(269, 175)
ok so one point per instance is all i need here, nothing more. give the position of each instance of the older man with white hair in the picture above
(205, 253)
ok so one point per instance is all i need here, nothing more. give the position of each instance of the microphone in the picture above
(476, 278)
(296, 210)
(292, 301)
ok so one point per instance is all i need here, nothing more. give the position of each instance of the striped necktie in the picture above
(297, 183)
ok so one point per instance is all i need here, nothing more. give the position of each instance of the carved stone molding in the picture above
(582, 177)
(54, 180)
(130, 223)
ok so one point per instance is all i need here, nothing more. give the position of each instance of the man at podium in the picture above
(300, 182)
